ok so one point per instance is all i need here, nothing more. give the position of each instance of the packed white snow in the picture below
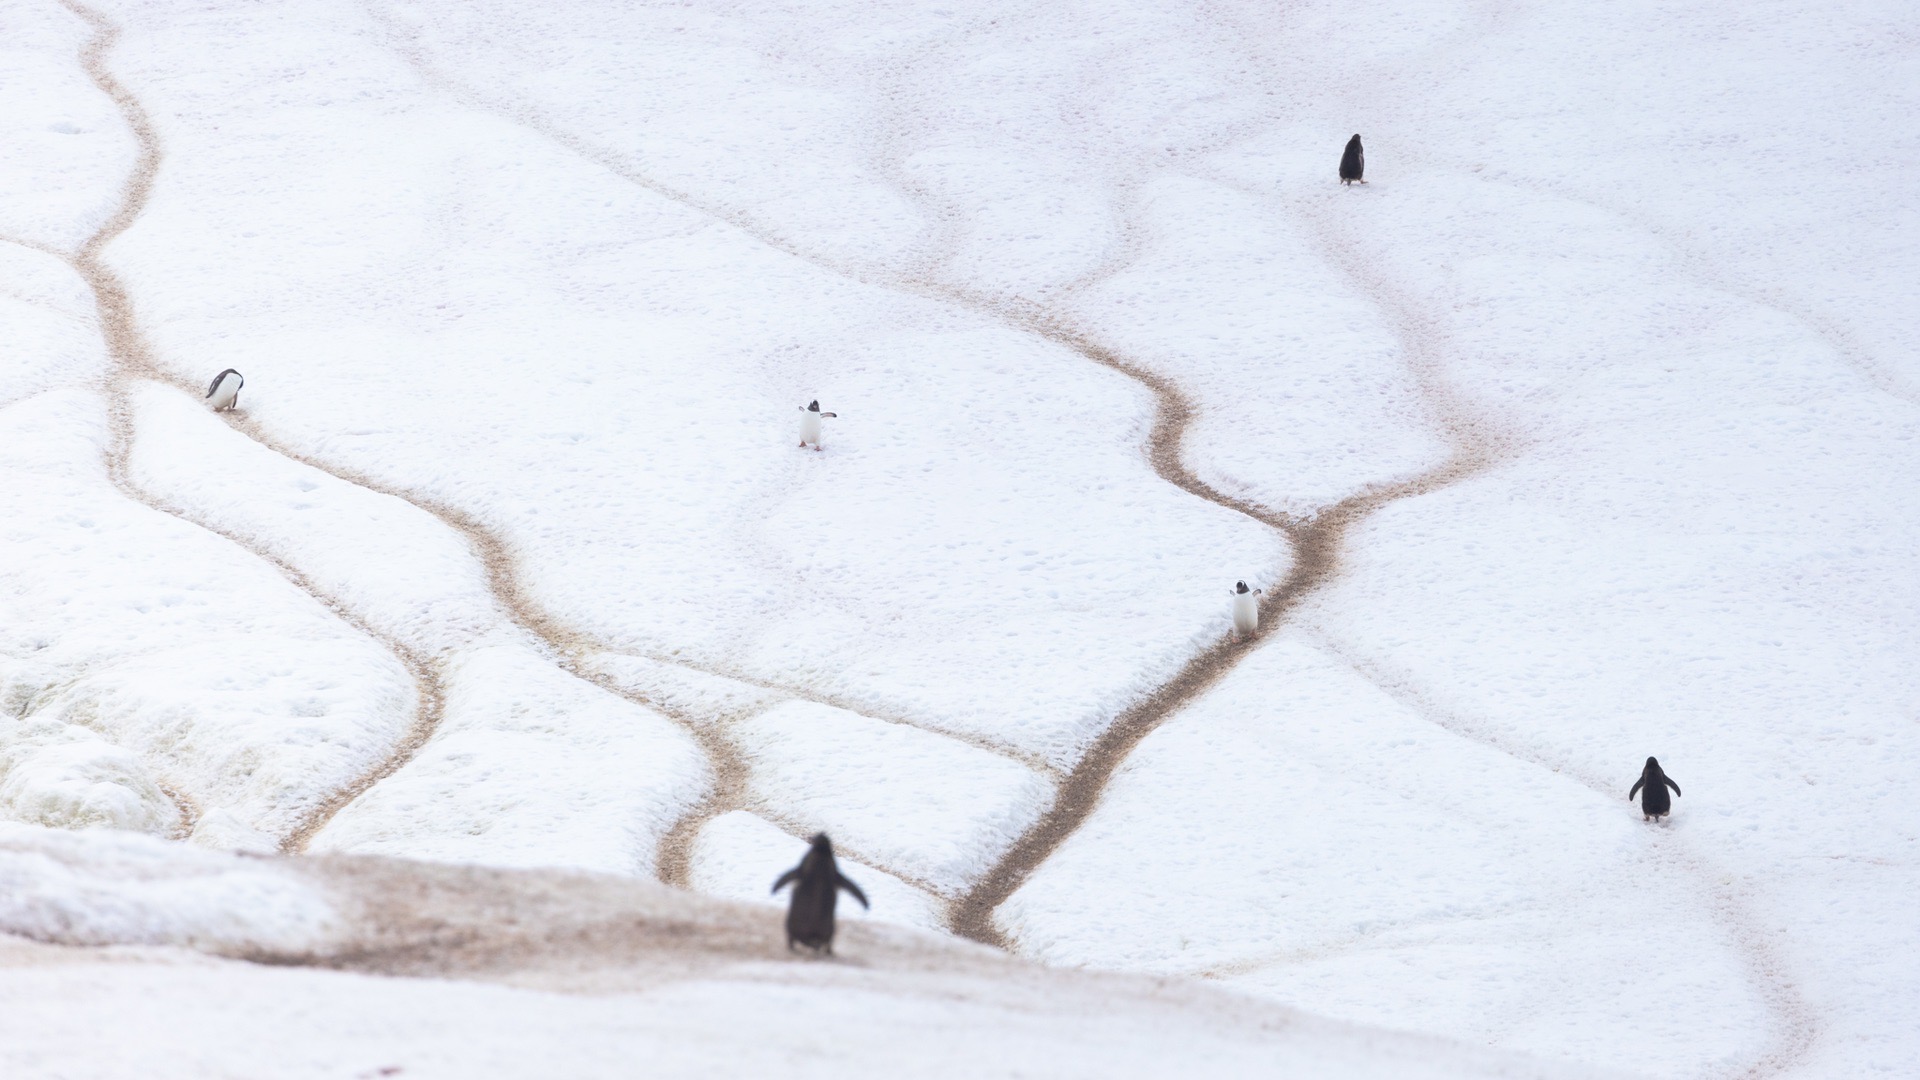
(1600, 398)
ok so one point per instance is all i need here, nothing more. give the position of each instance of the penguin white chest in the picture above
(223, 394)
(1246, 612)
(810, 427)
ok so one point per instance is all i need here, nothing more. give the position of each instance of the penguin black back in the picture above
(816, 889)
(1353, 163)
(1654, 802)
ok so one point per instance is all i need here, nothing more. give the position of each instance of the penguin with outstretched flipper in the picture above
(1654, 802)
(810, 416)
(816, 889)
(1246, 609)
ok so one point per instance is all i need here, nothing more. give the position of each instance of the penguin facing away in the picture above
(810, 418)
(1246, 609)
(224, 392)
(817, 885)
(1353, 163)
(1654, 802)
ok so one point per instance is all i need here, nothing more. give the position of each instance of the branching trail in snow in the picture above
(1315, 539)
(1795, 1025)
(133, 363)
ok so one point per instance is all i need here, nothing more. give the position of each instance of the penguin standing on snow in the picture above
(1654, 802)
(810, 418)
(1353, 163)
(817, 888)
(1246, 609)
(224, 392)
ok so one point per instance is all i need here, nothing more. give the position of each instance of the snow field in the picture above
(1703, 558)
(146, 657)
(102, 887)
(68, 148)
(558, 278)
(627, 382)
(1399, 872)
(527, 765)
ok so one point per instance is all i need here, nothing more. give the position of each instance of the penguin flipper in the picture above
(854, 890)
(1671, 784)
(1636, 788)
(785, 879)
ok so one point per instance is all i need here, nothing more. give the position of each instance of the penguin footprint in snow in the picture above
(810, 418)
(1654, 802)
(816, 889)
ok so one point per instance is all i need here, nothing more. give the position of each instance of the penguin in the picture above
(817, 889)
(1246, 610)
(1654, 803)
(1353, 162)
(224, 392)
(810, 418)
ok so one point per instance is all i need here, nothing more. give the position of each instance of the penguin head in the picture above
(821, 843)
(814, 406)
(1239, 586)
(1356, 138)
(1653, 766)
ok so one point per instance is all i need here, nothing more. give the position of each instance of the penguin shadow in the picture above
(1652, 787)
(817, 884)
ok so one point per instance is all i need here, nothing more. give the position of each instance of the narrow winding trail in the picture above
(1315, 539)
(563, 646)
(133, 363)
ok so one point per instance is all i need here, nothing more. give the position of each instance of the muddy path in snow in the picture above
(132, 361)
(1260, 41)
(1315, 538)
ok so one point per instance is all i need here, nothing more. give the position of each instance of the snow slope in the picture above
(1584, 431)
(574, 975)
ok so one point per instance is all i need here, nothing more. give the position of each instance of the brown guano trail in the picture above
(1315, 538)
(1316, 542)
(132, 360)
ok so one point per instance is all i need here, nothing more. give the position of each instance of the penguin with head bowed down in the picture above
(224, 392)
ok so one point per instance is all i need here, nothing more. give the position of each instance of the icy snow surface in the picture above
(1587, 429)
